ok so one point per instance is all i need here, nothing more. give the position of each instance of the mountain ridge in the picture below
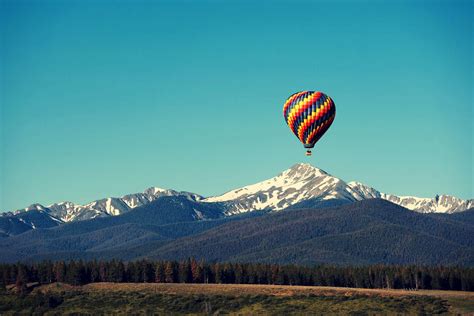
(299, 184)
(303, 182)
(67, 211)
(364, 232)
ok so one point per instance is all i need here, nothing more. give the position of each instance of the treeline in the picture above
(193, 271)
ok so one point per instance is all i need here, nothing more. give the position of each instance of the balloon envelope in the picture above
(309, 114)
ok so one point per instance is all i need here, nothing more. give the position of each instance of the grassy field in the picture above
(215, 299)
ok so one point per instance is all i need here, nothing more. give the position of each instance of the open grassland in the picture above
(205, 299)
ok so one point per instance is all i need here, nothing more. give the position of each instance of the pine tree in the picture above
(208, 276)
(148, 271)
(159, 272)
(21, 280)
(196, 271)
(94, 271)
(170, 272)
(239, 274)
(218, 273)
(115, 271)
(275, 271)
(102, 272)
(185, 273)
(59, 270)
(75, 273)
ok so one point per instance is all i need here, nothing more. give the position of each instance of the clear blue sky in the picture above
(104, 98)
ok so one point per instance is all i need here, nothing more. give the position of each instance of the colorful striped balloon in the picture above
(309, 114)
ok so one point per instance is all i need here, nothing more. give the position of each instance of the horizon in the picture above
(105, 99)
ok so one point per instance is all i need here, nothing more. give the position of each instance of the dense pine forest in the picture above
(193, 271)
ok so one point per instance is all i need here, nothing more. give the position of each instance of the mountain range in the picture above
(301, 216)
(303, 182)
(69, 211)
(371, 231)
(302, 185)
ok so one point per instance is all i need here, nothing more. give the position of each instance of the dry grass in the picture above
(277, 290)
(239, 299)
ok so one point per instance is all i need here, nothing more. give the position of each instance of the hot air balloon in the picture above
(309, 114)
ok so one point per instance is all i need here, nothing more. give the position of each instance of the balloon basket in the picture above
(308, 153)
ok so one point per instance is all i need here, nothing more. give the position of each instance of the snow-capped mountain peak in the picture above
(154, 191)
(304, 170)
(304, 182)
(300, 182)
(36, 207)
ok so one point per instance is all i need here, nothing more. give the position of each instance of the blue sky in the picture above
(104, 98)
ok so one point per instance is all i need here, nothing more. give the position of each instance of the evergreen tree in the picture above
(115, 271)
(239, 274)
(196, 271)
(218, 273)
(94, 275)
(59, 270)
(148, 271)
(21, 280)
(75, 273)
(207, 275)
(171, 275)
(135, 272)
(159, 272)
(185, 273)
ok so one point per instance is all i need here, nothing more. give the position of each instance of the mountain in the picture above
(438, 204)
(68, 211)
(306, 216)
(300, 186)
(303, 182)
(128, 236)
(299, 183)
(365, 232)
(22, 222)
